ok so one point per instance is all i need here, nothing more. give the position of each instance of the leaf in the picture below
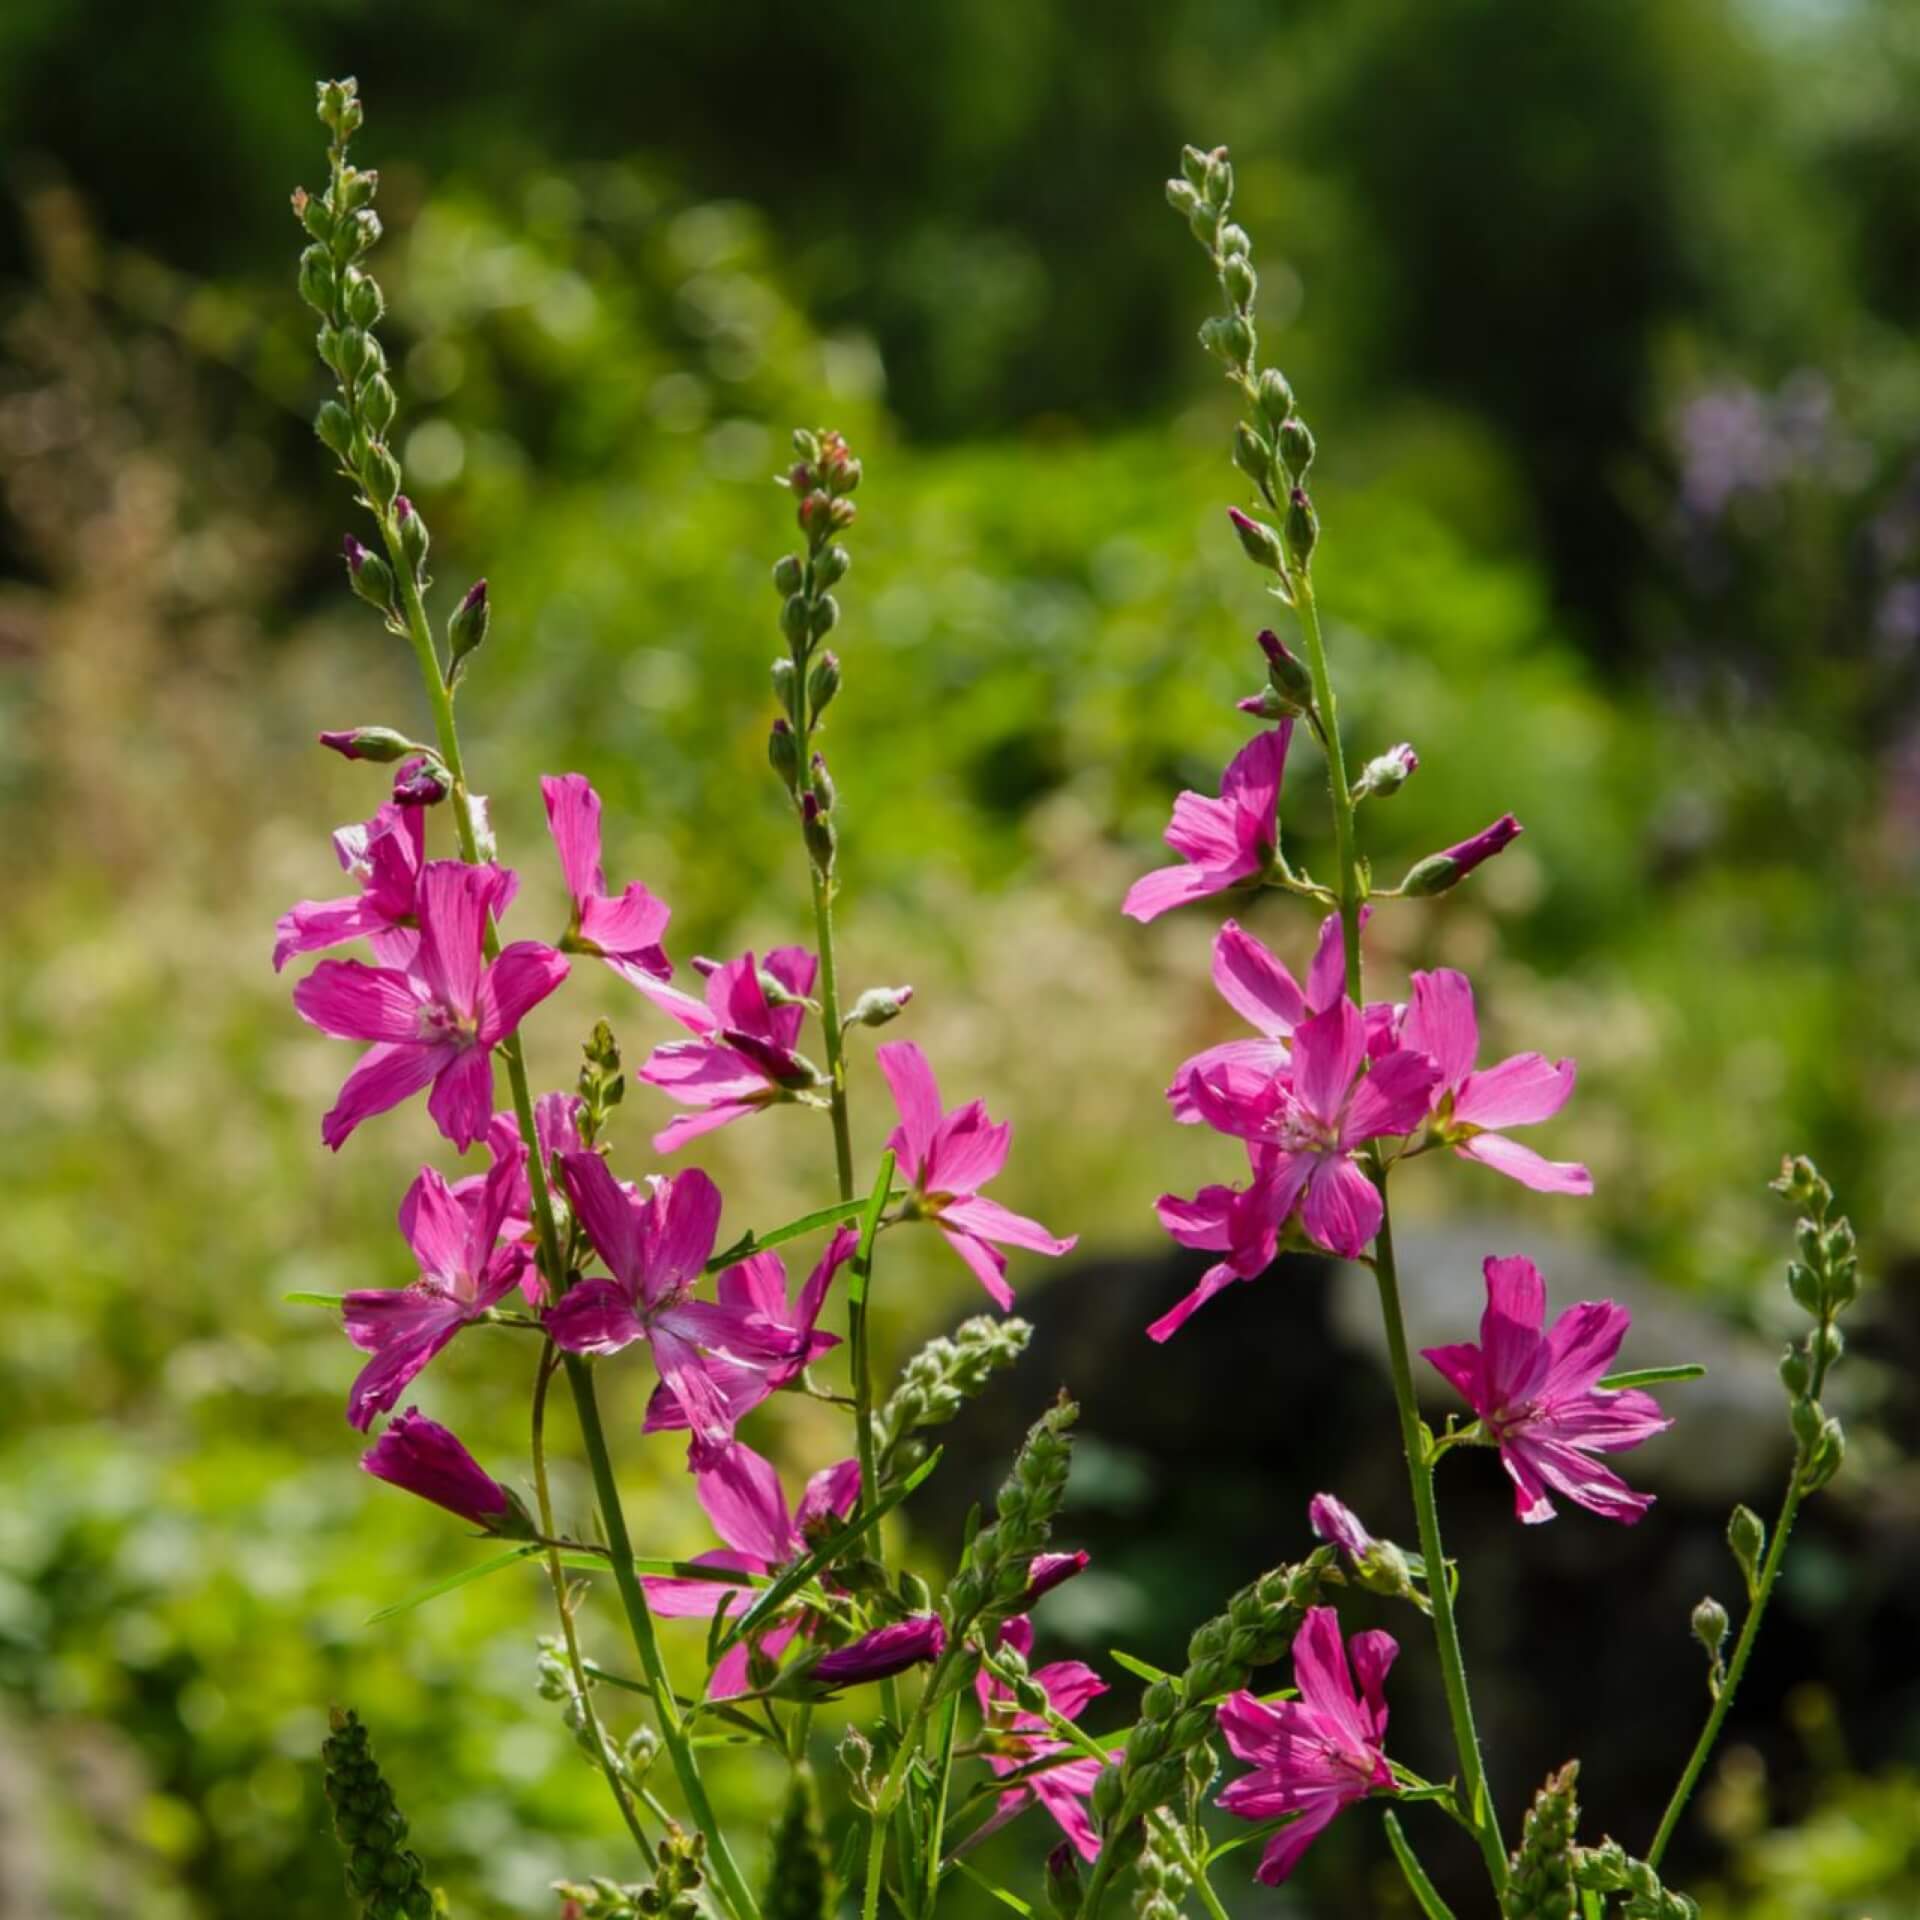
(750, 1243)
(771, 1599)
(1653, 1376)
(460, 1579)
(870, 1225)
(1416, 1875)
(979, 1879)
(667, 1570)
(1140, 1669)
(299, 1298)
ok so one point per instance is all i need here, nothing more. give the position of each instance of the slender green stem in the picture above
(557, 1575)
(1723, 1700)
(1446, 1635)
(942, 1784)
(673, 1730)
(891, 1790)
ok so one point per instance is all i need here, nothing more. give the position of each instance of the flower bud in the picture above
(370, 576)
(782, 674)
(821, 782)
(783, 752)
(825, 617)
(878, 1655)
(313, 213)
(1747, 1537)
(1204, 221)
(915, 1594)
(1804, 1284)
(1276, 397)
(378, 404)
(317, 282)
(795, 619)
(830, 566)
(380, 474)
(817, 830)
(1183, 198)
(788, 575)
(1829, 1453)
(1710, 1627)
(1806, 1418)
(413, 533)
(1303, 526)
(425, 1459)
(1216, 189)
(334, 424)
(823, 682)
(471, 618)
(1296, 447)
(1439, 871)
(1286, 671)
(805, 444)
(1387, 773)
(1065, 1893)
(1240, 280)
(1234, 240)
(1257, 540)
(1251, 454)
(878, 1005)
(364, 301)
(378, 744)
(1045, 1571)
(843, 476)
(1795, 1374)
(1268, 705)
(1230, 337)
(421, 782)
(1193, 163)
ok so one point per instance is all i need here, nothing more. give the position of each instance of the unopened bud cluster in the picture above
(1160, 1882)
(602, 1083)
(941, 1378)
(1177, 1713)
(383, 1874)
(1609, 1868)
(797, 1884)
(1540, 1873)
(672, 1894)
(1824, 1280)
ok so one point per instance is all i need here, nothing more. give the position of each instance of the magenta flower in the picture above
(1261, 989)
(655, 1242)
(742, 1496)
(1050, 1570)
(1243, 1223)
(756, 1289)
(1333, 1521)
(384, 857)
(741, 1057)
(1226, 841)
(881, 1654)
(465, 1270)
(1019, 1738)
(625, 932)
(423, 1458)
(1470, 1108)
(947, 1158)
(1539, 1398)
(556, 1125)
(1314, 1117)
(1317, 1754)
(438, 1022)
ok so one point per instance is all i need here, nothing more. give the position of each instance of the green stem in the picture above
(556, 1574)
(1723, 1701)
(942, 1785)
(1453, 1673)
(673, 1730)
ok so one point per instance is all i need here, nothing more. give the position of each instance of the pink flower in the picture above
(1050, 1570)
(423, 1458)
(881, 1654)
(1312, 1118)
(1226, 841)
(556, 1125)
(384, 856)
(1262, 990)
(947, 1158)
(1019, 1738)
(756, 1288)
(464, 1271)
(1538, 1397)
(437, 1022)
(1317, 1754)
(742, 1496)
(1242, 1223)
(1470, 1108)
(655, 1242)
(625, 931)
(741, 1057)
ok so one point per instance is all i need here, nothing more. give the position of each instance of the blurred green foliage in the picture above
(1607, 330)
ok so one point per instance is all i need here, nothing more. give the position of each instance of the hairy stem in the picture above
(1736, 1668)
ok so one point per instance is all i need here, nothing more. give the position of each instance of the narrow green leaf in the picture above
(1422, 1888)
(461, 1579)
(979, 1879)
(771, 1599)
(300, 1298)
(667, 1570)
(832, 1216)
(1140, 1669)
(1653, 1376)
(870, 1225)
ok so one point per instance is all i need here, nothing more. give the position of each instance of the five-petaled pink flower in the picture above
(437, 1022)
(655, 1241)
(1314, 1117)
(465, 1269)
(422, 1457)
(1471, 1108)
(743, 1498)
(1225, 842)
(623, 930)
(1017, 1739)
(756, 1288)
(1539, 1398)
(384, 855)
(946, 1159)
(741, 1057)
(1317, 1754)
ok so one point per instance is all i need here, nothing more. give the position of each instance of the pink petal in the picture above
(967, 1151)
(1204, 1222)
(1285, 1849)
(1527, 1088)
(1440, 1021)
(310, 925)
(383, 1077)
(732, 1675)
(1165, 888)
(840, 1249)
(1521, 1163)
(1581, 1346)
(1460, 1367)
(461, 1102)
(702, 1072)
(701, 1599)
(757, 1284)
(573, 818)
(1063, 1791)
(832, 1491)
(628, 930)
(988, 1220)
(689, 1225)
(1342, 1211)
(1327, 1051)
(437, 1227)
(988, 1263)
(1214, 1280)
(1205, 832)
(1582, 1479)
(741, 1494)
(1252, 779)
(1256, 985)
(1514, 1356)
(610, 1215)
(690, 1126)
(402, 1328)
(695, 1015)
(353, 1001)
(917, 1095)
(514, 985)
(1606, 1422)
(594, 1316)
(1321, 1673)
(1530, 1502)
(1241, 1071)
(453, 902)
(1070, 1686)
(794, 968)
(1251, 1727)
(1374, 1653)
(684, 1370)
(1392, 1097)
(1327, 976)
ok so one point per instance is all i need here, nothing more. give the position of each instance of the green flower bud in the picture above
(334, 424)
(1296, 447)
(878, 1005)
(1795, 1375)
(369, 575)
(364, 301)
(1257, 540)
(468, 626)
(1239, 279)
(1234, 240)
(317, 279)
(378, 404)
(1217, 188)
(825, 617)
(1710, 1623)
(1193, 164)
(1205, 223)
(795, 619)
(783, 752)
(380, 475)
(1276, 397)
(1251, 454)
(788, 575)
(830, 566)
(1747, 1537)
(1182, 197)
(413, 534)
(1303, 526)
